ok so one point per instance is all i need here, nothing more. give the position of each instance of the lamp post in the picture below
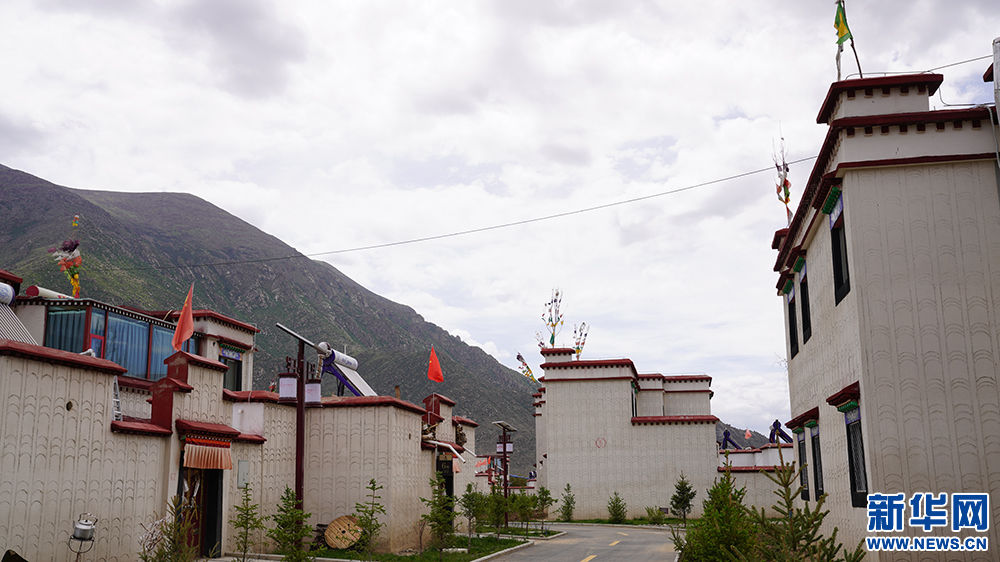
(300, 412)
(505, 447)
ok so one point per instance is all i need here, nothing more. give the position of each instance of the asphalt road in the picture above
(599, 543)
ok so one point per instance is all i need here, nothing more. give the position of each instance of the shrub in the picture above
(655, 515)
(568, 504)
(496, 508)
(247, 522)
(166, 540)
(684, 494)
(616, 509)
(545, 501)
(523, 505)
(724, 528)
(290, 528)
(441, 518)
(367, 515)
(471, 505)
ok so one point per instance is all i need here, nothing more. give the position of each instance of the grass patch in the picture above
(480, 547)
(516, 531)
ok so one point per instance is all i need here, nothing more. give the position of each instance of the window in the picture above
(803, 475)
(233, 379)
(65, 328)
(98, 323)
(161, 348)
(856, 458)
(817, 460)
(793, 337)
(838, 239)
(128, 344)
(804, 303)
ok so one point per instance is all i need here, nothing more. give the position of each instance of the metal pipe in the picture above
(443, 444)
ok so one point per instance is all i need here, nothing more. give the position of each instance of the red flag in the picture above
(185, 324)
(484, 462)
(434, 368)
(748, 435)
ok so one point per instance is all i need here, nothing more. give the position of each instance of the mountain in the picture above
(145, 249)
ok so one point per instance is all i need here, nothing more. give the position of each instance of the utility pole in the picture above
(505, 447)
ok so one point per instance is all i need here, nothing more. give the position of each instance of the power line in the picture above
(471, 230)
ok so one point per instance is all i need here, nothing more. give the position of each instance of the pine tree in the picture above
(247, 522)
(441, 518)
(616, 509)
(724, 527)
(795, 535)
(290, 528)
(367, 513)
(684, 494)
(568, 504)
(545, 501)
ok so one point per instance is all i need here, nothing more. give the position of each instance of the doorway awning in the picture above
(206, 445)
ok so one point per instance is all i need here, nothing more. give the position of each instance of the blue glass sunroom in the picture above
(137, 342)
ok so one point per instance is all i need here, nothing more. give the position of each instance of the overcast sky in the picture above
(339, 125)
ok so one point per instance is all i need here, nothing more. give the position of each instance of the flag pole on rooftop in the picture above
(843, 34)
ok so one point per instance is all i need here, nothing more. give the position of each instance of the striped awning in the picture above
(11, 327)
(200, 452)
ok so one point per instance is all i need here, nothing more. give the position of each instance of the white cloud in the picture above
(338, 126)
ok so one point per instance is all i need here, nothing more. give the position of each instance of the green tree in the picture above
(568, 504)
(496, 507)
(655, 515)
(441, 518)
(247, 522)
(471, 507)
(290, 528)
(367, 513)
(724, 528)
(167, 539)
(616, 509)
(545, 501)
(524, 506)
(795, 535)
(684, 494)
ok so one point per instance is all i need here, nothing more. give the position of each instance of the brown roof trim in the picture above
(455, 420)
(686, 378)
(988, 75)
(198, 360)
(556, 350)
(126, 381)
(844, 395)
(802, 418)
(234, 343)
(573, 379)
(205, 313)
(59, 357)
(249, 396)
(776, 445)
(206, 428)
(536, 395)
(537, 414)
(928, 81)
(673, 419)
(706, 390)
(772, 468)
(779, 235)
(251, 438)
(363, 401)
(9, 277)
(809, 195)
(444, 399)
(652, 376)
(139, 428)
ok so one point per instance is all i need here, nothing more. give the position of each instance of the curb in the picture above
(502, 552)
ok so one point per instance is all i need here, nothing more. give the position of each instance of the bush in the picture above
(290, 528)
(496, 508)
(166, 540)
(524, 505)
(367, 515)
(247, 522)
(545, 501)
(472, 506)
(616, 509)
(684, 494)
(724, 528)
(655, 515)
(441, 518)
(568, 504)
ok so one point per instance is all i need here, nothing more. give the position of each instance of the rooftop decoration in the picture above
(580, 337)
(525, 369)
(68, 258)
(784, 186)
(552, 318)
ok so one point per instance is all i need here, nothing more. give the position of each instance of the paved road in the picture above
(599, 543)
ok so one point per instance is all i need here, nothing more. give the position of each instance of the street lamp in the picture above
(505, 447)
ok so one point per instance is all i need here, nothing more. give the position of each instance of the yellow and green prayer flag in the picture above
(840, 24)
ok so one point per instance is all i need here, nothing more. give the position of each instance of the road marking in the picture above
(622, 534)
(589, 558)
(614, 543)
